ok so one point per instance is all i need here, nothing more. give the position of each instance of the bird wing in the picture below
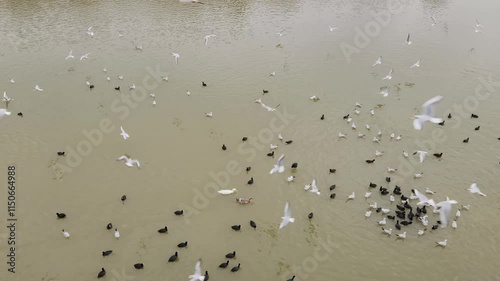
(280, 160)
(314, 186)
(123, 157)
(422, 198)
(428, 106)
(444, 212)
(135, 161)
(197, 271)
(422, 156)
(408, 38)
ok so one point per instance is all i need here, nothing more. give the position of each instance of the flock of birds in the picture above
(403, 210)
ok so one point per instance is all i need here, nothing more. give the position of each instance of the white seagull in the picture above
(209, 114)
(90, 32)
(351, 197)
(227, 191)
(385, 91)
(442, 243)
(445, 210)
(3, 112)
(428, 113)
(287, 217)
(208, 37)
(423, 199)
(86, 56)
(37, 88)
(368, 214)
(417, 64)
(421, 154)
(434, 21)
(474, 189)
(478, 24)
(128, 161)
(65, 233)
(332, 28)
(197, 276)
(408, 42)
(117, 233)
(314, 187)
(290, 178)
(176, 56)
(388, 76)
(401, 235)
(387, 231)
(378, 61)
(6, 98)
(314, 98)
(70, 56)
(428, 191)
(279, 165)
(123, 133)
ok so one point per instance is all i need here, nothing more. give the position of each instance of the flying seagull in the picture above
(378, 61)
(474, 189)
(197, 276)
(388, 76)
(287, 217)
(417, 64)
(279, 166)
(70, 56)
(445, 210)
(408, 42)
(129, 162)
(208, 37)
(123, 133)
(176, 56)
(428, 113)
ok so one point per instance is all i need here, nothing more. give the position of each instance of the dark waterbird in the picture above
(295, 165)
(271, 154)
(310, 216)
(182, 245)
(236, 227)
(109, 226)
(203, 84)
(107, 253)
(231, 255)
(322, 117)
(123, 198)
(265, 91)
(61, 153)
(253, 224)
(372, 185)
(332, 171)
(466, 140)
(370, 161)
(236, 268)
(477, 128)
(139, 266)
(473, 115)
(163, 230)
(438, 155)
(332, 196)
(244, 139)
(20, 114)
(102, 273)
(224, 147)
(224, 264)
(250, 181)
(61, 215)
(179, 212)
(332, 187)
(288, 141)
(248, 169)
(173, 258)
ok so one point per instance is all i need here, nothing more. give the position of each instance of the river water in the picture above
(179, 148)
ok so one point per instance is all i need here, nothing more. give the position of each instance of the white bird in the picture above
(405, 154)
(272, 146)
(268, 108)
(408, 42)
(445, 210)
(197, 275)
(152, 95)
(401, 235)
(387, 231)
(12, 81)
(428, 191)
(120, 35)
(466, 207)
(280, 33)
(280, 137)
(391, 170)
(379, 153)
(442, 243)
(378, 61)
(421, 154)
(65, 233)
(6, 98)
(353, 126)
(368, 194)
(105, 70)
(290, 178)
(128, 161)
(368, 214)
(208, 37)
(454, 224)
(361, 135)
(392, 135)
(434, 21)
(3, 112)
(349, 120)
(352, 196)
(70, 55)
(287, 217)
(37, 88)
(342, 135)
(379, 133)
(209, 114)
(86, 56)
(376, 140)
(428, 113)
(367, 127)
(314, 98)
(188, 93)
(458, 214)
(227, 191)
(120, 77)
(398, 138)
(417, 64)
(388, 76)
(358, 104)
(117, 233)
(419, 175)
(108, 78)
(314, 187)
(478, 24)
(279, 165)
(474, 189)
(154, 103)
(385, 92)
(385, 211)
(164, 78)
(477, 30)
(382, 222)
(90, 32)
(421, 232)
(176, 56)
(138, 48)
(391, 198)
(373, 205)
(123, 133)
(132, 87)
(372, 112)
(423, 200)
(272, 74)
(332, 28)
(357, 111)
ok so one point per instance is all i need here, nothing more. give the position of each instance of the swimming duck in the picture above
(332, 196)
(477, 128)
(179, 212)
(466, 140)
(139, 266)
(224, 264)
(61, 153)
(372, 185)
(109, 226)
(20, 114)
(474, 116)
(244, 139)
(332, 187)
(203, 84)
(370, 161)
(236, 268)
(248, 169)
(107, 253)
(322, 117)
(163, 230)
(61, 215)
(271, 154)
(65, 233)
(291, 279)
(438, 155)
(236, 227)
(253, 224)
(332, 171)
(295, 165)
(124, 197)
(397, 225)
(449, 115)
(231, 255)
(265, 91)
(102, 273)
(310, 216)
(224, 147)
(174, 257)
(250, 181)
(182, 245)
(117, 88)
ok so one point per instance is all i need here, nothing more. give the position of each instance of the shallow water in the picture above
(180, 149)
